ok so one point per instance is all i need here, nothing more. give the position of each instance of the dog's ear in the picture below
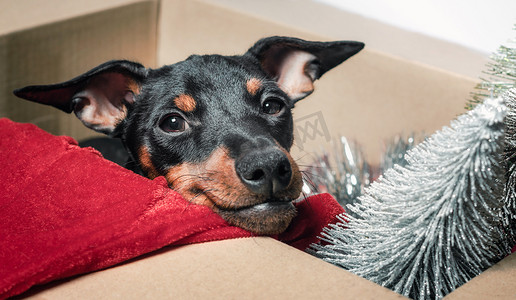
(98, 97)
(295, 64)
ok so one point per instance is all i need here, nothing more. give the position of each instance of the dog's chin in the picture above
(264, 218)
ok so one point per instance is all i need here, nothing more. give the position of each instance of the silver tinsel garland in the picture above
(396, 150)
(345, 173)
(424, 229)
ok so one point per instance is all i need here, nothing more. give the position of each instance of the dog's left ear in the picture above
(99, 97)
(295, 64)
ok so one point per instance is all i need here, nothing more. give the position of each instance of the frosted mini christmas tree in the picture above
(509, 211)
(424, 229)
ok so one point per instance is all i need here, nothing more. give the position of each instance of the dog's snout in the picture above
(265, 172)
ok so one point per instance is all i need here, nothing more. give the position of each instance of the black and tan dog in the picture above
(219, 128)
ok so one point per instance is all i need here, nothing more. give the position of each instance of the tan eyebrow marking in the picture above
(185, 103)
(253, 85)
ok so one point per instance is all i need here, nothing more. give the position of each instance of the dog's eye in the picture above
(173, 123)
(272, 106)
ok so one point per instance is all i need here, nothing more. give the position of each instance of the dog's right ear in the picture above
(295, 64)
(98, 97)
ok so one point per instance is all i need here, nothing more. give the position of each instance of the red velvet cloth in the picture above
(67, 211)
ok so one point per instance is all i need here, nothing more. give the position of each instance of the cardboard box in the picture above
(380, 93)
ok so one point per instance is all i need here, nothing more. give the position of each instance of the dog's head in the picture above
(219, 128)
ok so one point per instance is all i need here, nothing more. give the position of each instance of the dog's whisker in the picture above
(310, 175)
(312, 186)
(180, 177)
(311, 155)
(200, 193)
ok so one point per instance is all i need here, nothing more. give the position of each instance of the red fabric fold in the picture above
(67, 211)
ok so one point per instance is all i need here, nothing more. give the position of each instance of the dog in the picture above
(218, 128)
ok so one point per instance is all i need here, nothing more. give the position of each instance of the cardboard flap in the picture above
(248, 268)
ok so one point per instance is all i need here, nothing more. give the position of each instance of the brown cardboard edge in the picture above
(247, 268)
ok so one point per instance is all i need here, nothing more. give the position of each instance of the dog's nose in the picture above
(265, 171)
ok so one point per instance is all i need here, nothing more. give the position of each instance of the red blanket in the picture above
(67, 211)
